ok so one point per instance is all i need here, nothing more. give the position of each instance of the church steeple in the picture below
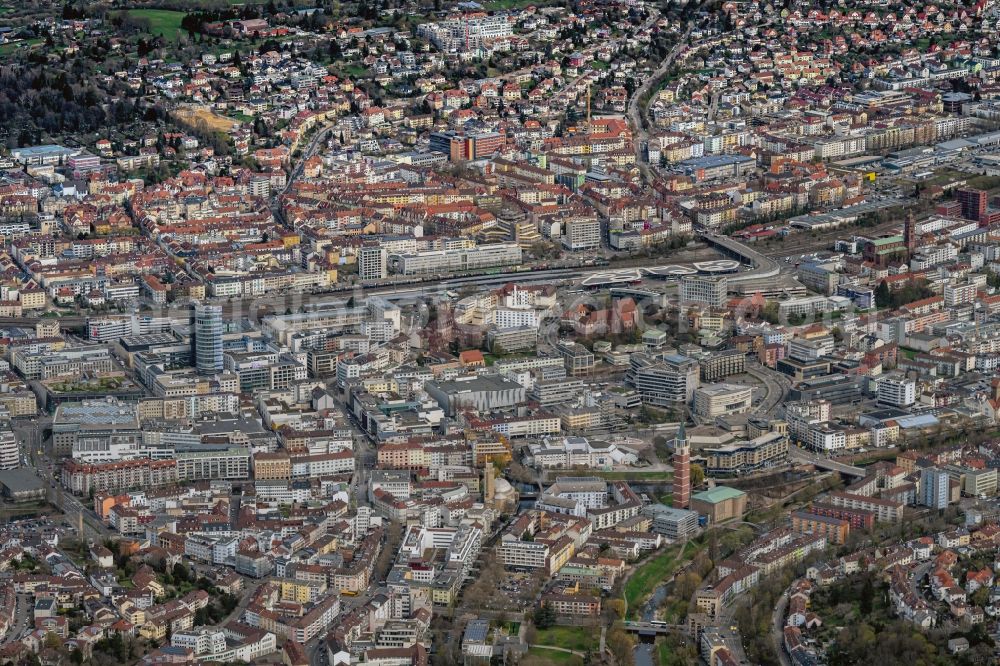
(681, 461)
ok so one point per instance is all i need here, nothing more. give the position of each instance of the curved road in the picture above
(635, 113)
(803, 456)
(310, 149)
(776, 384)
(778, 629)
(307, 152)
(763, 266)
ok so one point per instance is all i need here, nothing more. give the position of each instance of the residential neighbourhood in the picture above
(570, 332)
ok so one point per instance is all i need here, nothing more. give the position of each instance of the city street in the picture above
(776, 386)
(38, 459)
(21, 620)
(797, 454)
(777, 629)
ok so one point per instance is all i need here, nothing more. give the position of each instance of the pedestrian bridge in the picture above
(652, 628)
(823, 462)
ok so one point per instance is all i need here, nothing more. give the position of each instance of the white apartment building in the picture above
(323, 464)
(515, 317)
(589, 491)
(461, 544)
(527, 363)
(373, 263)
(532, 426)
(823, 438)
(705, 289)
(282, 492)
(110, 449)
(582, 234)
(933, 255)
(211, 644)
(467, 33)
(456, 260)
(715, 400)
(803, 305)
(107, 329)
(10, 457)
(202, 640)
(664, 382)
(199, 547)
(959, 294)
(810, 350)
(224, 551)
(229, 463)
(897, 391)
(803, 416)
(837, 147)
(517, 554)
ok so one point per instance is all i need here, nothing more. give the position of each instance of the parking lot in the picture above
(514, 592)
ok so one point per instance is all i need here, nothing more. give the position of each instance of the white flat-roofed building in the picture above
(468, 33)
(373, 263)
(675, 524)
(714, 400)
(43, 362)
(42, 155)
(515, 317)
(482, 393)
(96, 430)
(10, 457)
(804, 305)
(823, 438)
(202, 641)
(231, 462)
(704, 289)
(582, 234)
(664, 382)
(897, 391)
(742, 457)
(518, 554)
(323, 464)
(574, 495)
(456, 260)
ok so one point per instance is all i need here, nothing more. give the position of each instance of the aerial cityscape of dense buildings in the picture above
(563, 332)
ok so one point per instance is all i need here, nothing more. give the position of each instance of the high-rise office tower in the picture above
(973, 202)
(208, 338)
(372, 263)
(935, 488)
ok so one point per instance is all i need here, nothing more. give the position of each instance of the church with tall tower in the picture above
(681, 494)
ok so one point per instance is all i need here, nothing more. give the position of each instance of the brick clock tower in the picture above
(681, 494)
(910, 234)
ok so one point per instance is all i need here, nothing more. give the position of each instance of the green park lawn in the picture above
(162, 22)
(555, 656)
(496, 5)
(637, 475)
(580, 639)
(7, 49)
